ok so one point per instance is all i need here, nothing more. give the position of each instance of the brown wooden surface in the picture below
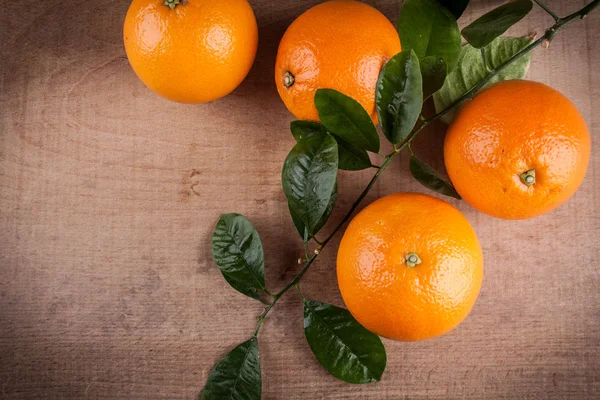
(109, 195)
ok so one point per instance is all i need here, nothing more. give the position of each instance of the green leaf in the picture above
(238, 252)
(350, 157)
(242, 288)
(399, 95)
(456, 7)
(300, 129)
(493, 24)
(347, 119)
(236, 376)
(430, 178)
(429, 30)
(300, 227)
(309, 178)
(343, 347)
(297, 220)
(434, 71)
(470, 70)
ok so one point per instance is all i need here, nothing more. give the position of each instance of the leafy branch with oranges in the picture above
(409, 266)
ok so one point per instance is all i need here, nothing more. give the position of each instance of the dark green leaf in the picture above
(300, 129)
(238, 252)
(456, 7)
(493, 24)
(434, 71)
(347, 119)
(236, 376)
(470, 70)
(399, 95)
(350, 157)
(429, 30)
(430, 178)
(300, 227)
(343, 347)
(242, 288)
(309, 178)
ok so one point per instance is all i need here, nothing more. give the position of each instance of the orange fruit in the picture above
(517, 150)
(409, 267)
(194, 51)
(339, 45)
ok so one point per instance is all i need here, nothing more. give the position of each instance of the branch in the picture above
(548, 36)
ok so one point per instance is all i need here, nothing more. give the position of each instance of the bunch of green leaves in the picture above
(433, 64)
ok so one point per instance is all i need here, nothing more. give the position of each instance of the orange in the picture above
(339, 45)
(517, 150)
(409, 267)
(194, 51)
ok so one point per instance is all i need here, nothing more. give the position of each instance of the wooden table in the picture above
(109, 196)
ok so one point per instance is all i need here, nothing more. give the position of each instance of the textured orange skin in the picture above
(508, 129)
(339, 45)
(198, 52)
(401, 303)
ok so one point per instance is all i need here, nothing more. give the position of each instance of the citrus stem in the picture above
(288, 79)
(173, 3)
(548, 36)
(528, 178)
(412, 260)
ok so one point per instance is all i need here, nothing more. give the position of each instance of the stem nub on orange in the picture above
(191, 51)
(409, 267)
(339, 45)
(517, 150)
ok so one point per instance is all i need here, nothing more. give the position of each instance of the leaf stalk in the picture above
(548, 10)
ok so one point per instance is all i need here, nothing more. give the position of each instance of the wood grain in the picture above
(109, 194)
